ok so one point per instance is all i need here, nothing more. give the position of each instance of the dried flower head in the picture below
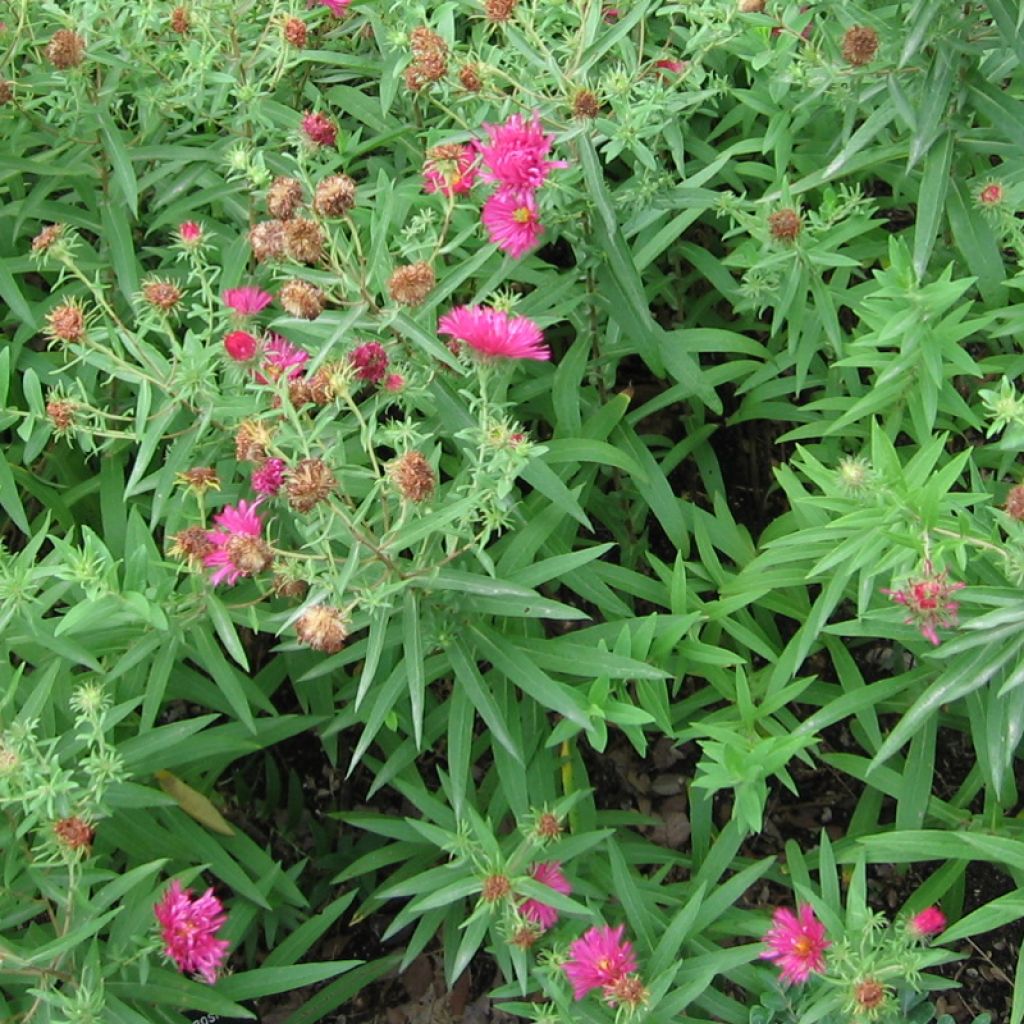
(188, 927)
(251, 441)
(6, 92)
(751, 6)
(469, 78)
(585, 105)
(1015, 503)
(525, 935)
(335, 196)
(267, 240)
(785, 225)
(430, 58)
(319, 129)
(797, 942)
(411, 284)
(859, 46)
(285, 586)
(294, 32)
(322, 627)
(547, 826)
(66, 322)
(61, 414)
(303, 240)
(66, 49)
(302, 299)
(199, 479)
(162, 295)
(180, 20)
(495, 887)
(927, 601)
(868, 997)
(308, 483)
(73, 833)
(499, 10)
(284, 197)
(247, 556)
(192, 545)
(413, 476)
(991, 194)
(47, 237)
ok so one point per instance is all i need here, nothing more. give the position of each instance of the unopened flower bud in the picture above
(495, 887)
(785, 225)
(161, 295)
(74, 833)
(240, 345)
(66, 322)
(61, 414)
(319, 129)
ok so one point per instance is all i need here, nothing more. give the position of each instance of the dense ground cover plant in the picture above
(488, 395)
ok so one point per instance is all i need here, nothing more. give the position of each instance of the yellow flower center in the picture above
(803, 946)
(522, 215)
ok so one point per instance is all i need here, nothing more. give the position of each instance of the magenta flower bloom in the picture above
(511, 221)
(190, 233)
(239, 549)
(601, 958)
(240, 345)
(268, 478)
(927, 602)
(247, 301)
(516, 157)
(450, 169)
(370, 361)
(336, 7)
(493, 332)
(281, 357)
(547, 873)
(928, 922)
(319, 129)
(797, 942)
(187, 927)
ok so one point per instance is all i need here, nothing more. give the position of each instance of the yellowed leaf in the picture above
(194, 804)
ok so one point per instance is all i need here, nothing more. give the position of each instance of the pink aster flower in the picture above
(548, 873)
(493, 332)
(336, 7)
(927, 602)
(516, 157)
(370, 361)
(190, 234)
(601, 958)
(797, 942)
(268, 478)
(246, 301)
(187, 927)
(511, 221)
(281, 357)
(236, 543)
(240, 345)
(319, 129)
(928, 922)
(450, 169)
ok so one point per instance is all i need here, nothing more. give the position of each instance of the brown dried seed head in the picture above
(50, 234)
(303, 240)
(499, 10)
(430, 58)
(180, 21)
(302, 299)
(627, 990)
(162, 295)
(323, 628)
(785, 225)
(424, 41)
(308, 483)
(294, 31)
(249, 555)
(267, 240)
(66, 49)
(548, 826)
(751, 6)
(869, 994)
(61, 414)
(284, 197)
(860, 44)
(6, 92)
(525, 935)
(413, 476)
(335, 196)
(192, 544)
(319, 389)
(585, 104)
(410, 285)
(74, 833)
(495, 887)
(469, 77)
(283, 586)
(1015, 503)
(66, 322)
(251, 441)
(200, 479)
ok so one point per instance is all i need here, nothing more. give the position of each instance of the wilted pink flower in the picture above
(493, 332)
(280, 358)
(319, 129)
(927, 602)
(547, 873)
(268, 478)
(240, 345)
(336, 7)
(927, 922)
(190, 233)
(370, 361)
(611, 15)
(991, 194)
(239, 549)
(187, 927)
(450, 169)
(668, 64)
(246, 301)
(516, 157)
(511, 221)
(601, 958)
(797, 942)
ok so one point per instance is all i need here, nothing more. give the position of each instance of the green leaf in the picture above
(120, 161)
